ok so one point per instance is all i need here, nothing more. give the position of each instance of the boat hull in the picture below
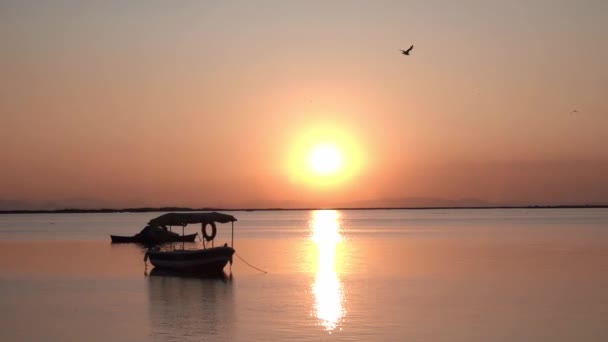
(148, 241)
(205, 261)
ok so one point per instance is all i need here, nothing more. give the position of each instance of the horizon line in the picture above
(166, 209)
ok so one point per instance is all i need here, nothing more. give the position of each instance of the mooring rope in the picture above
(248, 264)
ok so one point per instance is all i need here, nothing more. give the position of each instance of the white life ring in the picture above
(209, 236)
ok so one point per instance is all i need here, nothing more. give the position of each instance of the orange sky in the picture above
(205, 103)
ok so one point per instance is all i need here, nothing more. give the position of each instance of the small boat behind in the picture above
(138, 239)
(208, 260)
(153, 235)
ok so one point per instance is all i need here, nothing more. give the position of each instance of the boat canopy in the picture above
(183, 219)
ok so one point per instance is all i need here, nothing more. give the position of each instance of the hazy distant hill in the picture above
(420, 202)
(14, 205)
(80, 203)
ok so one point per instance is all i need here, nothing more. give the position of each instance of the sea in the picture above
(324, 275)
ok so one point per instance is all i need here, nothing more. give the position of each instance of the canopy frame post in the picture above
(203, 235)
(171, 230)
(232, 239)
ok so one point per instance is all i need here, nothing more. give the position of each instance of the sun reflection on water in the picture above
(327, 288)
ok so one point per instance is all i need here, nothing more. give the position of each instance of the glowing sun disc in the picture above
(325, 159)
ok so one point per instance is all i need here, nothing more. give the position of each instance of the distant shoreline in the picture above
(168, 209)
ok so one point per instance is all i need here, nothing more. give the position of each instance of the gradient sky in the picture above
(201, 103)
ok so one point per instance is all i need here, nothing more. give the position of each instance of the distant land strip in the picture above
(168, 209)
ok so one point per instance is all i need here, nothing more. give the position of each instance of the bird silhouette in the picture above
(407, 52)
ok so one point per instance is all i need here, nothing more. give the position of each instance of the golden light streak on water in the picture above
(327, 287)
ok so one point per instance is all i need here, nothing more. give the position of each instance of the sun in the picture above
(325, 159)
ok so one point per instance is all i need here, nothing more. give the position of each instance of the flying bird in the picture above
(407, 52)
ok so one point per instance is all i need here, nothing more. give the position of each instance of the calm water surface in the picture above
(381, 275)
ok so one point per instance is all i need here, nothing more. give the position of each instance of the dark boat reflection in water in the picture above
(327, 287)
(190, 307)
(163, 272)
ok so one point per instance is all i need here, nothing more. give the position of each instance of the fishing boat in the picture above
(208, 260)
